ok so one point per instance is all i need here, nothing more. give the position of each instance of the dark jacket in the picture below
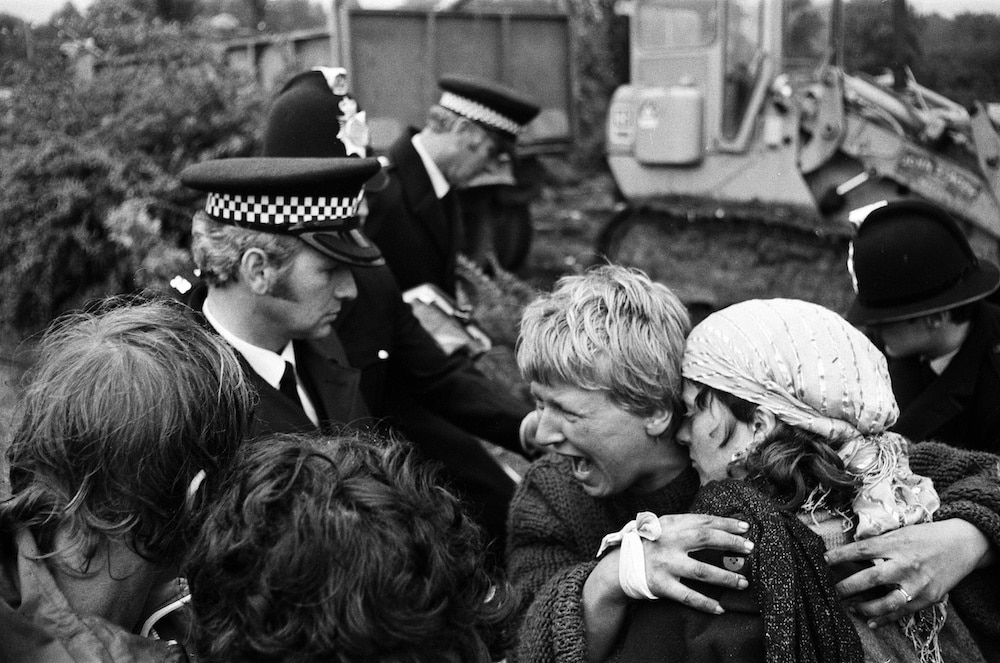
(418, 234)
(441, 403)
(401, 365)
(962, 405)
(322, 366)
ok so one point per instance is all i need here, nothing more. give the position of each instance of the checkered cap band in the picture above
(280, 210)
(478, 112)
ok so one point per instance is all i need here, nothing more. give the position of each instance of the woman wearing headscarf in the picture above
(602, 353)
(795, 404)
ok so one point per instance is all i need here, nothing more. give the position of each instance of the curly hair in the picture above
(339, 549)
(218, 247)
(611, 329)
(791, 463)
(127, 404)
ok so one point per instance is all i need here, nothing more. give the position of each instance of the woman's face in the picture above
(711, 433)
(611, 449)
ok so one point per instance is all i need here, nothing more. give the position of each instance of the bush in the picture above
(89, 201)
(56, 250)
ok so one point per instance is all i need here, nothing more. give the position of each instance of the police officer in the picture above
(442, 403)
(415, 219)
(921, 289)
(274, 245)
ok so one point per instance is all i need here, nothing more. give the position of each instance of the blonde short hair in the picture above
(612, 329)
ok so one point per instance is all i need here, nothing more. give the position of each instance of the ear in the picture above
(468, 133)
(256, 271)
(763, 424)
(935, 320)
(658, 422)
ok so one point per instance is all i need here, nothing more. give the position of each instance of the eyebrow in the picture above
(557, 403)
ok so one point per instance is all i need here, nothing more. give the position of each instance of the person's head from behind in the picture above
(789, 394)
(277, 239)
(126, 407)
(474, 127)
(917, 279)
(602, 353)
(338, 549)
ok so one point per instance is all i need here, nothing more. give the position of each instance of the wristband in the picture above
(632, 561)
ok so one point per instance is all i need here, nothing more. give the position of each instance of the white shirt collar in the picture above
(938, 364)
(438, 181)
(265, 363)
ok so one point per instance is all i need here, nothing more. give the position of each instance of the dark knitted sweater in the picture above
(555, 529)
(968, 483)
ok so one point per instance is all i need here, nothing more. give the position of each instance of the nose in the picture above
(683, 435)
(344, 286)
(549, 432)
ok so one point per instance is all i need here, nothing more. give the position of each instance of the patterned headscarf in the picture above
(813, 370)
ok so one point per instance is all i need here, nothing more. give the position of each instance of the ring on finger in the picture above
(906, 594)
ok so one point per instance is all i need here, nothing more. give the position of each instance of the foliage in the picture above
(89, 203)
(56, 251)
(872, 41)
(961, 57)
(270, 17)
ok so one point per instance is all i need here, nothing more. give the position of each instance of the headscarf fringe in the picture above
(922, 628)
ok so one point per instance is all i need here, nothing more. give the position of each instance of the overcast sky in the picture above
(39, 11)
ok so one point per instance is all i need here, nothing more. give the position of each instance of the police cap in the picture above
(315, 200)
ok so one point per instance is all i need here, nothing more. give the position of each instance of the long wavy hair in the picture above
(792, 465)
(127, 404)
(340, 549)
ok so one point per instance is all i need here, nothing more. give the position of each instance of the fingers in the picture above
(689, 597)
(704, 538)
(867, 549)
(896, 604)
(665, 583)
(862, 581)
(701, 521)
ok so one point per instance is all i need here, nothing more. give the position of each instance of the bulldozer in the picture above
(745, 156)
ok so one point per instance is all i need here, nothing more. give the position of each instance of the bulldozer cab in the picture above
(714, 56)
(739, 114)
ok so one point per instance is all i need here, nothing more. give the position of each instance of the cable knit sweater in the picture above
(555, 529)
(968, 483)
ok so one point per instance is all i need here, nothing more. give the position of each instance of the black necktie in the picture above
(288, 385)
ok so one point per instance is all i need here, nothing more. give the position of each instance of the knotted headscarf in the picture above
(813, 370)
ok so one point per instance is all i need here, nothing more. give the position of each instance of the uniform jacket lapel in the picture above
(335, 387)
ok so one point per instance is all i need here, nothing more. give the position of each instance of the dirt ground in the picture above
(710, 262)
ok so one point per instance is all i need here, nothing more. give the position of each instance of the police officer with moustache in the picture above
(274, 246)
(387, 365)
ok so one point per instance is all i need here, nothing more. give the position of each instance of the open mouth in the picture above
(581, 467)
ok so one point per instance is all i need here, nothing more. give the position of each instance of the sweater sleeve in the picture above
(968, 483)
(548, 568)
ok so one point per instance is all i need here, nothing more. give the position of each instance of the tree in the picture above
(89, 201)
(871, 43)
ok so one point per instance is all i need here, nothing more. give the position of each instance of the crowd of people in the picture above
(287, 466)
